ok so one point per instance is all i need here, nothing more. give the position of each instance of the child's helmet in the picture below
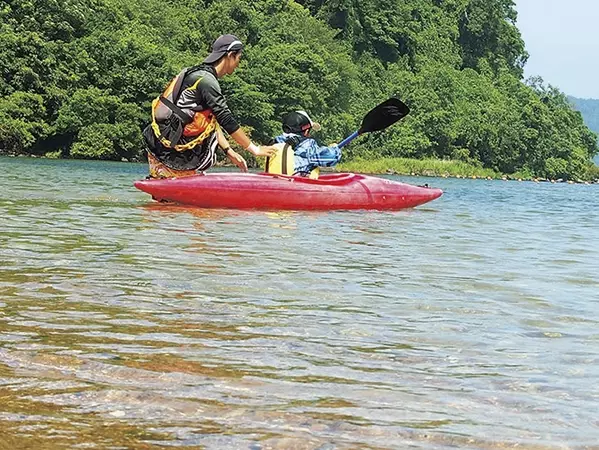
(298, 122)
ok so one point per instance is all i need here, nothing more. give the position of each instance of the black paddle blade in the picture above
(384, 115)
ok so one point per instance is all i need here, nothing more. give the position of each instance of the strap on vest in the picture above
(184, 119)
(284, 156)
(176, 92)
(175, 109)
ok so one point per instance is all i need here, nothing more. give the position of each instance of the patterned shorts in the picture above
(159, 170)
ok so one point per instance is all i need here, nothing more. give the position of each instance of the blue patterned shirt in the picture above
(309, 155)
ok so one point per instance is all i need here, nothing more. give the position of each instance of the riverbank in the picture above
(443, 168)
(404, 166)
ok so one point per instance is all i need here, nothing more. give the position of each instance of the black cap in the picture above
(299, 122)
(222, 45)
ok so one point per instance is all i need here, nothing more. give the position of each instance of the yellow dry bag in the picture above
(283, 162)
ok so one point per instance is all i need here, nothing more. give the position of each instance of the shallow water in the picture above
(469, 322)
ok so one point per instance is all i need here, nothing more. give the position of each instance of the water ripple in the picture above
(469, 323)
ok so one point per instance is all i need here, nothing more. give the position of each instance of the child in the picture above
(298, 153)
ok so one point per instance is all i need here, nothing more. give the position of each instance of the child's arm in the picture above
(323, 156)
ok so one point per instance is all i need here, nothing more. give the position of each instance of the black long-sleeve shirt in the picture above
(201, 91)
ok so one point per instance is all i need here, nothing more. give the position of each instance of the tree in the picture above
(79, 76)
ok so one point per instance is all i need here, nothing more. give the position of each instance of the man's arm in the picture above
(215, 100)
(233, 156)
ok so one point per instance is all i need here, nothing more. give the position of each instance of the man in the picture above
(187, 118)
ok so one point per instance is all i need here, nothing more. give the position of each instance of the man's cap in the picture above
(223, 44)
(299, 122)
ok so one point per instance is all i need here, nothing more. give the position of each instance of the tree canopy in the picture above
(78, 77)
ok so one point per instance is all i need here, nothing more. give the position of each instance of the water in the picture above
(469, 322)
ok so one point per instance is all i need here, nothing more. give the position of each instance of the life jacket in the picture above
(170, 122)
(283, 162)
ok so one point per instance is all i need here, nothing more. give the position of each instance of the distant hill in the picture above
(589, 108)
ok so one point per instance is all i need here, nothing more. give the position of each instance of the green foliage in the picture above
(593, 173)
(488, 36)
(103, 126)
(78, 77)
(427, 167)
(105, 141)
(556, 168)
(589, 109)
(20, 125)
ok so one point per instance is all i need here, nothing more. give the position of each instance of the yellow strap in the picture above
(210, 128)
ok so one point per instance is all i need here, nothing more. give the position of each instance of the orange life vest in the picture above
(170, 123)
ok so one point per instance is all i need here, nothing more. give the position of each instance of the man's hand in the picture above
(266, 150)
(238, 160)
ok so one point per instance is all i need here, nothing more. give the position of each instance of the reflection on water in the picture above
(470, 322)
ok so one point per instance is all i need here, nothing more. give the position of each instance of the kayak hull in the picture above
(268, 191)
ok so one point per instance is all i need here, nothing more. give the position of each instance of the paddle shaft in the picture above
(348, 139)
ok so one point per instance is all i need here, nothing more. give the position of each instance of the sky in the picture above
(562, 39)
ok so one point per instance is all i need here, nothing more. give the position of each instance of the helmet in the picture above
(298, 122)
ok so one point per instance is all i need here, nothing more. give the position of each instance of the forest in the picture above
(78, 77)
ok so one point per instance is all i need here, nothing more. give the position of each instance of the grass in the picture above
(423, 167)
(442, 168)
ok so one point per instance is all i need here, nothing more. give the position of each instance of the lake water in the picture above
(469, 322)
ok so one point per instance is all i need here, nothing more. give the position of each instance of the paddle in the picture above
(379, 118)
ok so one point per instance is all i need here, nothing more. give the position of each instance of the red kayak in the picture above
(270, 191)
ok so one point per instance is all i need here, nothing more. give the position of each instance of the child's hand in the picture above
(293, 141)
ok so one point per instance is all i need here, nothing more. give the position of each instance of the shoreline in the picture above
(501, 177)
(434, 168)
(444, 169)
